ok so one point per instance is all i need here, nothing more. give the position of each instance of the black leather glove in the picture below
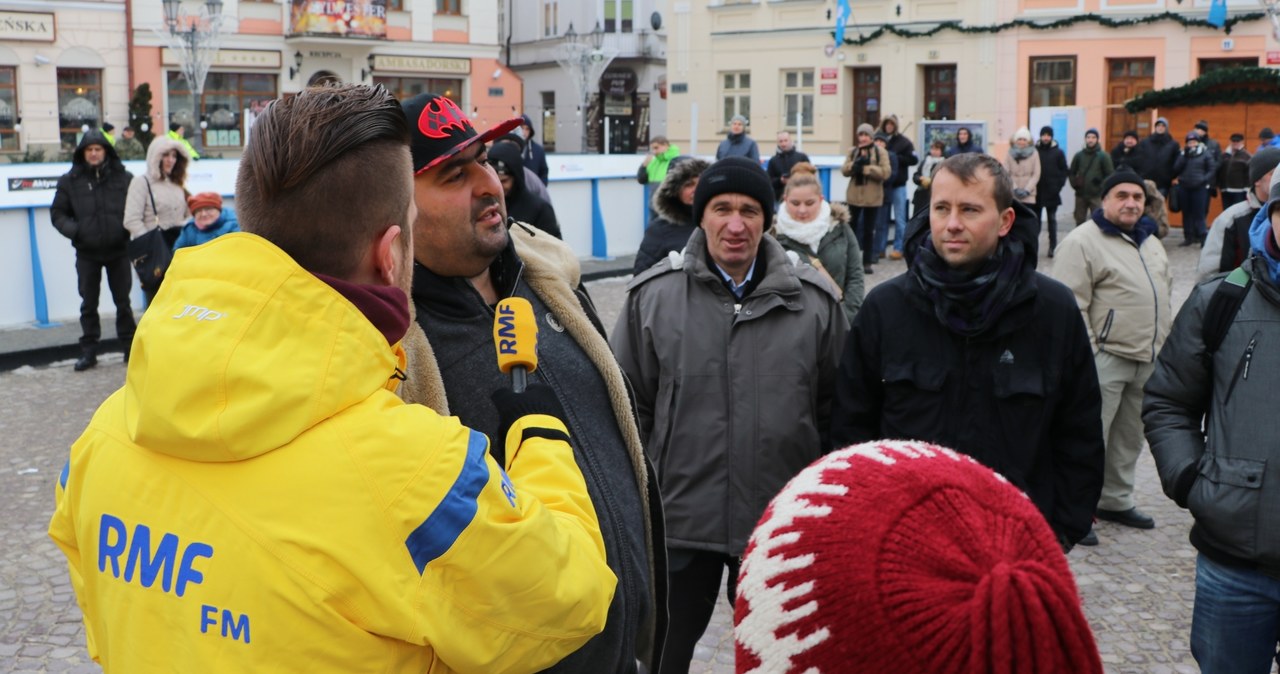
(512, 406)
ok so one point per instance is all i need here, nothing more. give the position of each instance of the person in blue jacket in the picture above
(209, 220)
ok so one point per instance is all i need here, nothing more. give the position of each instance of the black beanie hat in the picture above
(1131, 133)
(1203, 126)
(1046, 130)
(1266, 159)
(734, 175)
(1119, 178)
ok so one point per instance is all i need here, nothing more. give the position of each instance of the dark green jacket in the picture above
(1088, 169)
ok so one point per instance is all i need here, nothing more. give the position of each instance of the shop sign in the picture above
(1273, 57)
(421, 64)
(231, 58)
(344, 18)
(830, 73)
(828, 88)
(28, 26)
(618, 82)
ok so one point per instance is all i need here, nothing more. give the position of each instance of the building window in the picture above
(449, 7)
(866, 96)
(226, 98)
(736, 95)
(1053, 81)
(8, 108)
(797, 98)
(550, 18)
(79, 103)
(617, 16)
(395, 5)
(939, 92)
(1210, 65)
(408, 87)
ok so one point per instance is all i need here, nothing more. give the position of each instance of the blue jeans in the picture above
(899, 216)
(1195, 206)
(1236, 621)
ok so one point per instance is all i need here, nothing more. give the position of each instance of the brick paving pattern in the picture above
(1137, 586)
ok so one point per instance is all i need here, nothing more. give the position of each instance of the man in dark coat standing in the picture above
(780, 163)
(1128, 153)
(895, 190)
(535, 157)
(1053, 177)
(972, 349)
(522, 203)
(88, 208)
(1160, 151)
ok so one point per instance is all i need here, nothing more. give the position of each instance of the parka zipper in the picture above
(1242, 367)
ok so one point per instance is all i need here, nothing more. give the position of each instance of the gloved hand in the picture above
(512, 406)
(1021, 193)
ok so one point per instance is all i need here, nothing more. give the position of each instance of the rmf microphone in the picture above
(515, 334)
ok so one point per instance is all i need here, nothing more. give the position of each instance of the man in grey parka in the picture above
(732, 348)
(1211, 420)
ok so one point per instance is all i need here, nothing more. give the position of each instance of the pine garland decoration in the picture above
(959, 27)
(1219, 87)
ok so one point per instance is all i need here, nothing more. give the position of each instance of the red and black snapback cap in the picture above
(439, 130)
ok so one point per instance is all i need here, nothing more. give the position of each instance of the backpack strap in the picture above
(1223, 306)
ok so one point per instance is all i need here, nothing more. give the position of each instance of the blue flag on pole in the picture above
(1218, 13)
(842, 17)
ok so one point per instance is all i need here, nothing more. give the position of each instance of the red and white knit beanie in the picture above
(907, 557)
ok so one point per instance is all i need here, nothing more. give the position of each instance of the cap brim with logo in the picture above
(441, 130)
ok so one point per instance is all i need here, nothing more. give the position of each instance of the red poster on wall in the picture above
(828, 88)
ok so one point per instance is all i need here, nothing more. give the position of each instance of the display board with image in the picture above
(946, 130)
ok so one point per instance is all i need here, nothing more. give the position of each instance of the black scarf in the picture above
(969, 303)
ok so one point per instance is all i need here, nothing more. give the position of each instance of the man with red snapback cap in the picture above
(469, 255)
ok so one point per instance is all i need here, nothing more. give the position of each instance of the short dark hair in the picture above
(174, 126)
(659, 139)
(966, 166)
(309, 179)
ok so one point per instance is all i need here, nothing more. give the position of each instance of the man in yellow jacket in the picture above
(178, 132)
(256, 497)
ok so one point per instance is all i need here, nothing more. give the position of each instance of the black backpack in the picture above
(1223, 306)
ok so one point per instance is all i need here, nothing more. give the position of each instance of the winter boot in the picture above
(88, 358)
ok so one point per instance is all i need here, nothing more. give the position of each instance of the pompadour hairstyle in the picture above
(325, 173)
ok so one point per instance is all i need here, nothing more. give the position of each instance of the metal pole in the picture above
(693, 128)
(606, 133)
(195, 111)
(799, 132)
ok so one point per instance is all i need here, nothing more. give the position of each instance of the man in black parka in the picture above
(972, 349)
(88, 208)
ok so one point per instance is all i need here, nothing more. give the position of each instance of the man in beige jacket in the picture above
(1119, 272)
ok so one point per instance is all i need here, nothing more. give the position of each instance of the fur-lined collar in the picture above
(666, 199)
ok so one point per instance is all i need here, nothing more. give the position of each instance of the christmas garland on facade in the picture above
(958, 26)
(1220, 87)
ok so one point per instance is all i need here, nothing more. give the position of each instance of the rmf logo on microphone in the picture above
(506, 330)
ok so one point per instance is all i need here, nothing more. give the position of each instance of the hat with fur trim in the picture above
(902, 556)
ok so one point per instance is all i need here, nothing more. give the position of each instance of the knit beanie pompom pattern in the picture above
(900, 556)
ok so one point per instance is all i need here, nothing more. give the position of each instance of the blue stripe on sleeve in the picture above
(66, 472)
(442, 527)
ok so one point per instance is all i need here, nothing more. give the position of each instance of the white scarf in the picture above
(809, 233)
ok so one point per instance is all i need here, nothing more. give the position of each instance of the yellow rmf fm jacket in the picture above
(256, 498)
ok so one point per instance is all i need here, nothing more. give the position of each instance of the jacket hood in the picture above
(95, 137)
(509, 154)
(1026, 228)
(666, 199)
(529, 122)
(897, 128)
(159, 146)
(243, 351)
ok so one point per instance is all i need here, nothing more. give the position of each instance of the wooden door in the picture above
(939, 92)
(866, 96)
(1127, 78)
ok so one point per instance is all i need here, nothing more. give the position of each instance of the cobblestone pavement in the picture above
(1137, 586)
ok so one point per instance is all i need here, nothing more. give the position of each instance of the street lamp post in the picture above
(584, 58)
(194, 38)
